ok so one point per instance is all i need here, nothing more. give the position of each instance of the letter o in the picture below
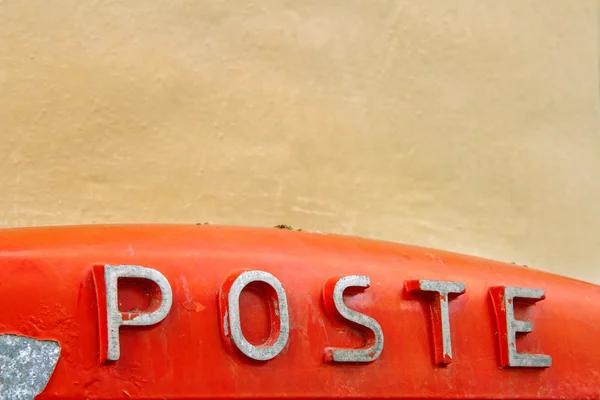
(230, 315)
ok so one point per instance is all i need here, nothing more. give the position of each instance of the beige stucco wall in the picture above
(472, 126)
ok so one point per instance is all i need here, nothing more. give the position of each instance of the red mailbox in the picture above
(206, 312)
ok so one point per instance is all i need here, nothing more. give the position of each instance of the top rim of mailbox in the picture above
(89, 236)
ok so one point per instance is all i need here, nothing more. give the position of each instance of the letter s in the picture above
(333, 293)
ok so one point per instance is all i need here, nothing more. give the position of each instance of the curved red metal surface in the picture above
(48, 291)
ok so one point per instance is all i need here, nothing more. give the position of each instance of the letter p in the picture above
(106, 280)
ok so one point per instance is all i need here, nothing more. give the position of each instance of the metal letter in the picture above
(333, 296)
(110, 349)
(440, 317)
(230, 315)
(503, 298)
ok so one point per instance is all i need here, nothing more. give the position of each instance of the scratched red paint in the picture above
(47, 292)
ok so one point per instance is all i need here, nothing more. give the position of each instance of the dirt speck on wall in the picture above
(474, 128)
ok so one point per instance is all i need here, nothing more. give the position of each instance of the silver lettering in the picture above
(115, 318)
(374, 345)
(279, 306)
(508, 326)
(440, 315)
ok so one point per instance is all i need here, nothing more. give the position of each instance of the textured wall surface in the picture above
(474, 128)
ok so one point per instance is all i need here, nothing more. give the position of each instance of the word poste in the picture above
(437, 292)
